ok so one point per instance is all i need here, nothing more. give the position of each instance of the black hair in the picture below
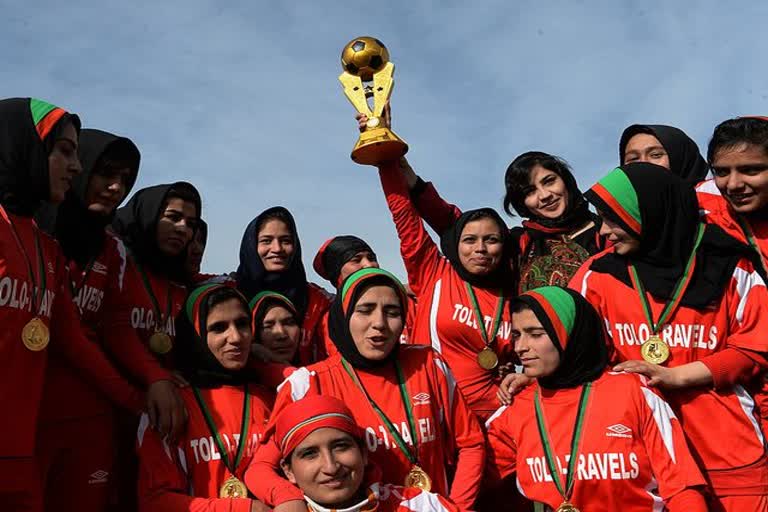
(224, 294)
(482, 214)
(58, 129)
(270, 303)
(280, 215)
(185, 192)
(518, 177)
(518, 306)
(737, 131)
(118, 155)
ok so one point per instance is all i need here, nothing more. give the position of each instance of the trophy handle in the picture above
(353, 89)
(382, 88)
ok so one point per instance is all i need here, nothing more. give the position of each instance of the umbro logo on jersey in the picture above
(619, 430)
(421, 398)
(99, 477)
(99, 268)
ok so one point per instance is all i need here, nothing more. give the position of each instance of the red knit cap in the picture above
(304, 416)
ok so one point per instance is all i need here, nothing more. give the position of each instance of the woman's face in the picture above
(107, 188)
(280, 333)
(328, 466)
(195, 253)
(533, 346)
(229, 333)
(644, 147)
(623, 242)
(275, 245)
(376, 322)
(176, 226)
(481, 246)
(741, 174)
(546, 195)
(63, 164)
(361, 260)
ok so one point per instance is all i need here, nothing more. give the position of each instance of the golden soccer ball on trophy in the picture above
(368, 74)
(363, 57)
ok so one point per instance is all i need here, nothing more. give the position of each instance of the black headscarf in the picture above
(79, 231)
(253, 278)
(344, 305)
(136, 224)
(194, 360)
(668, 216)
(685, 159)
(28, 130)
(575, 329)
(335, 253)
(501, 276)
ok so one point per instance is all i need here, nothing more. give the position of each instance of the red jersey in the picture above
(713, 336)
(67, 393)
(394, 498)
(188, 476)
(446, 430)
(131, 320)
(445, 317)
(632, 455)
(312, 347)
(24, 369)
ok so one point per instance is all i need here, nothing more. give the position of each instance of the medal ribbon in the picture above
(215, 431)
(567, 491)
(37, 290)
(481, 319)
(751, 239)
(412, 458)
(677, 293)
(148, 287)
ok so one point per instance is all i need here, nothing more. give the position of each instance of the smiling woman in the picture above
(270, 260)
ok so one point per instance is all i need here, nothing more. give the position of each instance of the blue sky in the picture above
(242, 98)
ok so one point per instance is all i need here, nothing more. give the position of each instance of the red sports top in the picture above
(728, 338)
(312, 346)
(131, 320)
(447, 432)
(633, 455)
(22, 371)
(96, 287)
(445, 317)
(187, 477)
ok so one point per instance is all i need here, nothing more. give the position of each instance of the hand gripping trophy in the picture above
(368, 74)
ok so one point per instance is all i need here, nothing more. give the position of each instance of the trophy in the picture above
(368, 74)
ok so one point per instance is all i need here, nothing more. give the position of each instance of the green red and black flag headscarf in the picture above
(28, 129)
(344, 305)
(194, 359)
(576, 331)
(263, 301)
(660, 210)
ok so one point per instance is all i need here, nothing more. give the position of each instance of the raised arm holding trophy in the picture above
(368, 74)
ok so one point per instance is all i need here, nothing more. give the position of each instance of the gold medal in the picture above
(233, 488)
(655, 350)
(160, 343)
(567, 507)
(487, 359)
(418, 478)
(35, 335)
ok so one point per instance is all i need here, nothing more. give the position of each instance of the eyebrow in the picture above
(67, 139)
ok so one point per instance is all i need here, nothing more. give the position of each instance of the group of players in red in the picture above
(583, 361)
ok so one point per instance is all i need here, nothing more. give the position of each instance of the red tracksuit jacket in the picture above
(22, 371)
(447, 432)
(715, 337)
(312, 345)
(67, 394)
(445, 317)
(186, 477)
(632, 454)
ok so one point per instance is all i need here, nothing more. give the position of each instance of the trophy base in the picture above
(378, 145)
